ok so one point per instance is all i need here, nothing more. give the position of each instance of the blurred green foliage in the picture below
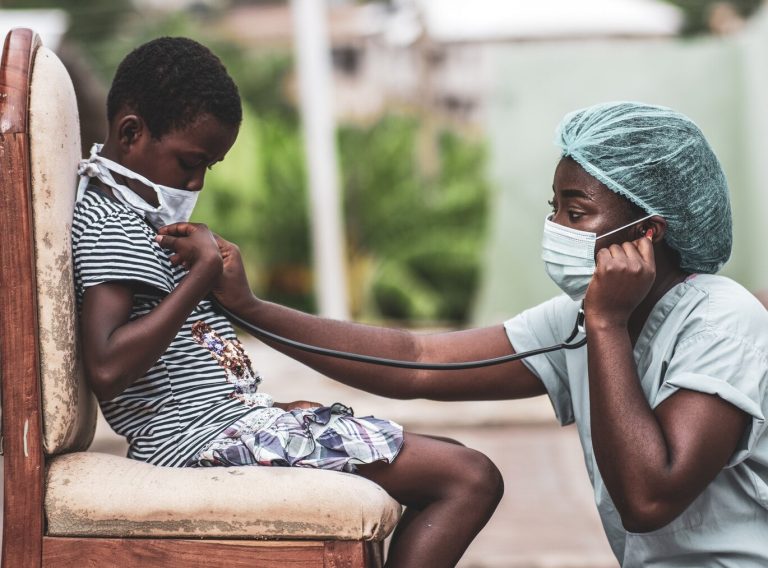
(697, 12)
(420, 236)
(413, 240)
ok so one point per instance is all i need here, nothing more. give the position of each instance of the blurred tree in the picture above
(90, 20)
(697, 12)
(414, 240)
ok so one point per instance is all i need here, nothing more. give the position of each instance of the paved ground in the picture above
(547, 518)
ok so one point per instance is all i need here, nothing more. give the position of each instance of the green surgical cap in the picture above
(659, 160)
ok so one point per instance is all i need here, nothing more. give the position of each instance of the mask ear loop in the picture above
(625, 226)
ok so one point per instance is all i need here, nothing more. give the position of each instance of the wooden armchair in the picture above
(65, 506)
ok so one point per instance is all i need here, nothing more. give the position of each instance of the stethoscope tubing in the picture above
(264, 334)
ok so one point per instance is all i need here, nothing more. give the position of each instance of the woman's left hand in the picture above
(623, 277)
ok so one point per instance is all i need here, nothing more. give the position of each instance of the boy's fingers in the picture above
(178, 229)
(166, 241)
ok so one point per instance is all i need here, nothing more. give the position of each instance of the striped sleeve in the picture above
(118, 247)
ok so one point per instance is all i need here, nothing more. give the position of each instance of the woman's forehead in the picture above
(571, 180)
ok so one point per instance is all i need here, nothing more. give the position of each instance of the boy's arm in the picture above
(117, 351)
(509, 380)
(654, 462)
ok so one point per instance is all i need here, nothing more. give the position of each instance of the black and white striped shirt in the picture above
(203, 382)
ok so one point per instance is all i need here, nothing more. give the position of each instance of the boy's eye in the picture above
(191, 164)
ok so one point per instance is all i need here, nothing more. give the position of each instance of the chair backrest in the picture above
(39, 150)
(39, 124)
(69, 410)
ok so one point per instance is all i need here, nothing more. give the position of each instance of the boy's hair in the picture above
(170, 82)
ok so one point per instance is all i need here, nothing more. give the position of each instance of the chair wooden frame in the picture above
(25, 542)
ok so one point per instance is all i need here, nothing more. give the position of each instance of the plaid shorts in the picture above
(328, 437)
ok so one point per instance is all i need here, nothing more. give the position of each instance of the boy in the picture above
(167, 367)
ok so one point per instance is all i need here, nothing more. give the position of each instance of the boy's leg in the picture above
(450, 491)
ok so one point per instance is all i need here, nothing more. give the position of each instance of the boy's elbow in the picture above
(104, 383)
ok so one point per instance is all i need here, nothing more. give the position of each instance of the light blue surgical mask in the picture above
(569, 255)
(176, 205)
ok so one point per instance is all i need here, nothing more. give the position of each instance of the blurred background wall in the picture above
(719, 82)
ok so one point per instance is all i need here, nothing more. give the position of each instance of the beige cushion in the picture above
(69, 409)
(92, 494)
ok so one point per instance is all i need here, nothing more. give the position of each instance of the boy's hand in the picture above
(194, 247)
(231, 289)
(623, 277)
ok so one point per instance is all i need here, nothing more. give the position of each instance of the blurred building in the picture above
(49, 24)
(435, 53)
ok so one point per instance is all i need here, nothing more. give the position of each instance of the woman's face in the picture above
(582, 202)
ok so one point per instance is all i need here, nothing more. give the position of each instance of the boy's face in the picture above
(180, 158)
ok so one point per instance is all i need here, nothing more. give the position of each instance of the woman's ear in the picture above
(655, 228)
(130, 130)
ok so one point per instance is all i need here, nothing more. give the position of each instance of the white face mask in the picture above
(176, 205)
(569, 255)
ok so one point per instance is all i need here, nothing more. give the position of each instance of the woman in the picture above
(670, 392)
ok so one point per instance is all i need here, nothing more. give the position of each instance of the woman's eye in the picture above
(574, 216)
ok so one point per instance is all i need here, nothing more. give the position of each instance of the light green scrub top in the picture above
(707, 334)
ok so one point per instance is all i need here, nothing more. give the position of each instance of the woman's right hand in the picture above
(232, 289)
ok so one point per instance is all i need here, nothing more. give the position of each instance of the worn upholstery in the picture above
(69, 409)
(92, 494)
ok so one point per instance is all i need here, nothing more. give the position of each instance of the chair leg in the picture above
(353, 554)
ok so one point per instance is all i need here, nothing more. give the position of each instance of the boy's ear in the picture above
(130, 129)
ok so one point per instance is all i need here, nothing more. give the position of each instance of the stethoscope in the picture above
(256, 331)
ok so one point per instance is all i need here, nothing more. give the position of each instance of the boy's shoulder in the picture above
(97, 208)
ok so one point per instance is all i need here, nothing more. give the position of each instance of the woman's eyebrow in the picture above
(575, 193)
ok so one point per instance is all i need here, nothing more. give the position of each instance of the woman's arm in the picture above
(653, 462)
(508, 380)
(117, 351)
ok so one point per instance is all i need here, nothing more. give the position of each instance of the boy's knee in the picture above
(483, 478)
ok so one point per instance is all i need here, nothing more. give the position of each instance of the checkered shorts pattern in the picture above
(328, 437)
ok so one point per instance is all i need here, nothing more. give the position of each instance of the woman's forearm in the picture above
(342, 336)
(505, 381)
(629, 444)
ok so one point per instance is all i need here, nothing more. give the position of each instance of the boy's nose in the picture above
(196, 183)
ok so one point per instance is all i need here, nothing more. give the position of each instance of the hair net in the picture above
(659, 160)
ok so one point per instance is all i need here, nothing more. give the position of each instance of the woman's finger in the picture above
(645, 248)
